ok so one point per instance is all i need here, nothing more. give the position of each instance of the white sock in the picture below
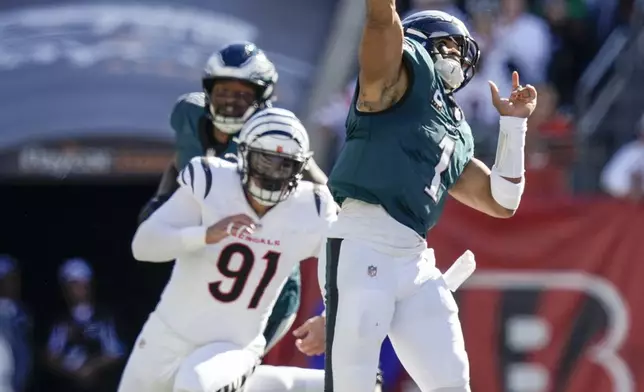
(285, 379)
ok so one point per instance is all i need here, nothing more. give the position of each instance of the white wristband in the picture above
(510, 152)
(507, 194)
(193, 238)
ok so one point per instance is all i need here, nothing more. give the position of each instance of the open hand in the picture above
(311, 336)
(521, 103)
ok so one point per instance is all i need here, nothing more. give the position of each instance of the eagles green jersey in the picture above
(191, 130)
(407, 157)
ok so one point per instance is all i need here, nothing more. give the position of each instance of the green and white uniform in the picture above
(391, 179)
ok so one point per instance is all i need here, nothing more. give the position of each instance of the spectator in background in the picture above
(15, 325)
(330, 120)
(623, 176)
(549, 146)
(574, 45)
(548, 124)
(475, 99)
(608, 14)
(522, 42)
(83, 349)
(510, 38)
(6, 366)
(448, 6)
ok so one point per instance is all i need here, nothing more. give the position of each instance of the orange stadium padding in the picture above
(555, 299)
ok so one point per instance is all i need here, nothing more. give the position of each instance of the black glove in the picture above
(152, 205)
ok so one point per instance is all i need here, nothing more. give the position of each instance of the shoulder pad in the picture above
(198, 175)
(408, 46)
(191, 104)
(194, 99)
(417, 54)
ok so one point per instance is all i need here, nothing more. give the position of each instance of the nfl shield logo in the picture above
(372, 271)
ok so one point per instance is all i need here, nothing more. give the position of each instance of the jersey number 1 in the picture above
(447, 146)
(241, 274)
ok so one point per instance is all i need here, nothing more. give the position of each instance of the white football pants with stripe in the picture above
(371, 295)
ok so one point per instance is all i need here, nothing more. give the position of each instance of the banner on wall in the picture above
(83, 158)
(553, 305)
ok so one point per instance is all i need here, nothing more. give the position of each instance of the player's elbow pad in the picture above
(507, 194)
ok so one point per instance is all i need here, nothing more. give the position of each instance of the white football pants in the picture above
(371, 294)
(163, 362)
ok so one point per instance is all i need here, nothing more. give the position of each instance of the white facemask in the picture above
(450, 71)
(230, 125)
(262, 196)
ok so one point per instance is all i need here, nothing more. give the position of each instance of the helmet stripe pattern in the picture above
(274, 121)
(268, 133)
(273, 152)
(416, 33)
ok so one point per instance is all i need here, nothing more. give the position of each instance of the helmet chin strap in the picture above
(450, 71)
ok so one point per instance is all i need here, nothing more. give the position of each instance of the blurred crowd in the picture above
(550, 43)
(81, 350)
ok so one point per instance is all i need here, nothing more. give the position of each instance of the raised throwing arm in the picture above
(382, 77)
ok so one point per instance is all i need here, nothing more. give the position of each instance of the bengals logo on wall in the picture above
(537, 331)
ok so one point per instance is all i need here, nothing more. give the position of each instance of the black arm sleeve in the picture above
(166, 188)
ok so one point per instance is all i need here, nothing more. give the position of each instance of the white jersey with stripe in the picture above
(225, 291)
